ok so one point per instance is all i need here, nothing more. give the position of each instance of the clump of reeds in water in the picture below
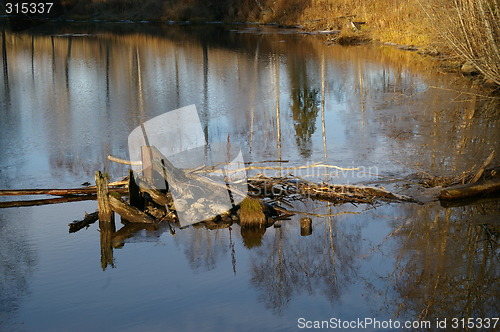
(252, 213)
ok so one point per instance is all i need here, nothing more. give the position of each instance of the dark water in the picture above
(70, 95)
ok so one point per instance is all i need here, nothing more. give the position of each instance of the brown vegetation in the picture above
(471, 28)
(467, 27)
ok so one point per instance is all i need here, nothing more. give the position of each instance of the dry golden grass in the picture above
(400, 21)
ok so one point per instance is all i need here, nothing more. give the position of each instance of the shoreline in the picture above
(453, 29)
(449, 61)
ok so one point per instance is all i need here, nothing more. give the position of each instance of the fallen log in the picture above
(55, 192)
(89, 219)
(182, 182)
(38, 202)
(128, 212)
(470, 190)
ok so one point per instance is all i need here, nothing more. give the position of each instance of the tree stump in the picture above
(305, 226)
(105, 212)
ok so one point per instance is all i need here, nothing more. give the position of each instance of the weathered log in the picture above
(157, 196)
(89, 219)
(47, 201)
(105, 212)
(54, 192)
(128, 212)
(173, 176)
(470, 190)
(182, 181)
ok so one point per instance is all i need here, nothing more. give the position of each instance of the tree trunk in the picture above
(470, 190)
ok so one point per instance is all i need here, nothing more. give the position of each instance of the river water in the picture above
(72, 94)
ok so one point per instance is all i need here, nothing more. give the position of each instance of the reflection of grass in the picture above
(252, 236)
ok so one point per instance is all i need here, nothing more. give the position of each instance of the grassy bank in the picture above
(401, 21)
(466, 28)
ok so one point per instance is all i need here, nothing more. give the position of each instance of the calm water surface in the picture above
(72, 94)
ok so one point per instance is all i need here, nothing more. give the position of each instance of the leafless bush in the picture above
(471, 28)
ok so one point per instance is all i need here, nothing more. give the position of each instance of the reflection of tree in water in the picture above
(304, 104)
(448, 263)
(286, 266)
(204, 248)
(16, 263)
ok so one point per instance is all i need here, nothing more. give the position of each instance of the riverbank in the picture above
(427, 26)
(405, 23)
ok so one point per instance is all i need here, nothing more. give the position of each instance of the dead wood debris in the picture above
(473, 175)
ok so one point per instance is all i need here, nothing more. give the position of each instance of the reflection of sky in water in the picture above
(166, 280)
(57, 129)
(349, 267)
(90, 101)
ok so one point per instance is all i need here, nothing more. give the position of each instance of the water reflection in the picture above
(437, 262)
(17, 262)
(447, 262)
(70, 99)
(100, 83)
(304, 100)
(285, 267)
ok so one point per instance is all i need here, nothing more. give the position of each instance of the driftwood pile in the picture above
(292, 188)
(473, 183)
(139, 201)
(146, 204)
